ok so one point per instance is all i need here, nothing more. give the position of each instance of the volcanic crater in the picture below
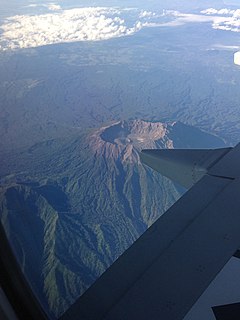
(126, 138)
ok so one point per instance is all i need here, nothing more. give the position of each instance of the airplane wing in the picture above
(167, 269)
(227, 312)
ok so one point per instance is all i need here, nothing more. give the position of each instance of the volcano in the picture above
(71, 206)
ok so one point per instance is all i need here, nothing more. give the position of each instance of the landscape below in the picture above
(71, 206)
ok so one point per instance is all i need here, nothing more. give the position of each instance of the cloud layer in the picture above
(223, 19)
(81, 24)
(100, 23)
(230, 20)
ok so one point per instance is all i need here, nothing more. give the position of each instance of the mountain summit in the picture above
(123, 139)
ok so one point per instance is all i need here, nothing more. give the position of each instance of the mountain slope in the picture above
(70, 207)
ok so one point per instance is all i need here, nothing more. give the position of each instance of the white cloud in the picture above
(82, 24)
(183, 18)
(32, 5)
(230, 20)
(223, 19)
(146, 14)
(229, 12)
(211, 11)
(53, 6)
(224, 47)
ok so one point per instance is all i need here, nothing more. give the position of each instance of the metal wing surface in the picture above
(227, 312)
(167, 269)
